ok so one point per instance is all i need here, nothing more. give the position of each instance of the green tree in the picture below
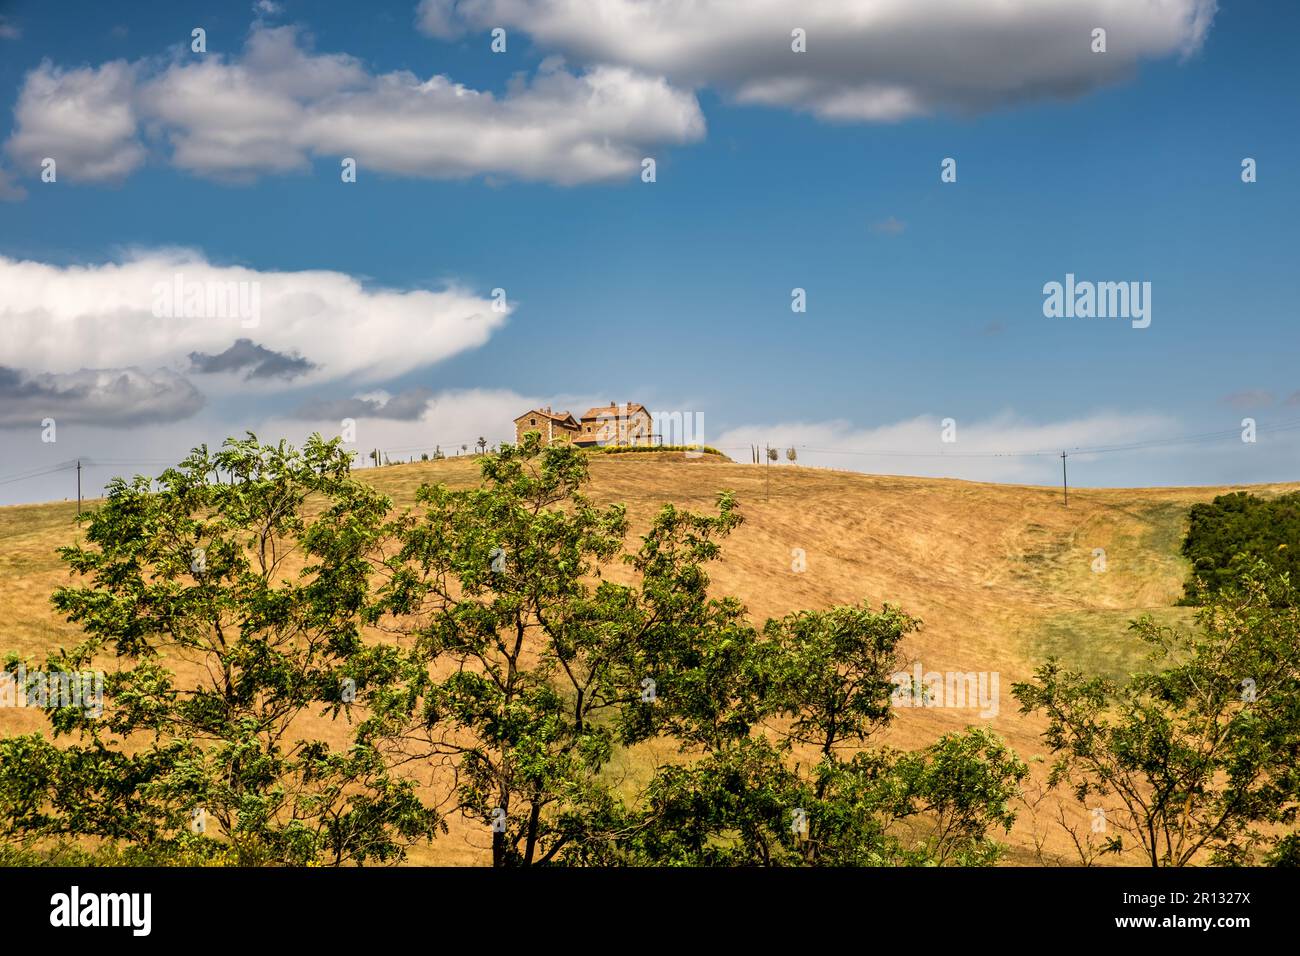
(233, 611)
(529, 665)
(1199, 756)
(820, 683)
(835, 672)
(529, 643)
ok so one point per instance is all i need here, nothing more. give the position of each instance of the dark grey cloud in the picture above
(255, 361)
(105, 396)
(405, 406)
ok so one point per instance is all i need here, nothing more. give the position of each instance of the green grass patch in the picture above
(1100, 642)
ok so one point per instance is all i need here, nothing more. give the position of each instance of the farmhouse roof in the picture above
(547, 413)
(612, 411)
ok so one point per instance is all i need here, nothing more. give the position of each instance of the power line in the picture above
(38, 473)
(82, 463)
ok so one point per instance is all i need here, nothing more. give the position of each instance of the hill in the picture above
(1001, 575)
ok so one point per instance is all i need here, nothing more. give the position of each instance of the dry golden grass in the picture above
(1001, 576)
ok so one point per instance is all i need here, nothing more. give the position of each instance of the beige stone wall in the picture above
(635, 428)
(551, 430)
(640, 427)
(524, 425)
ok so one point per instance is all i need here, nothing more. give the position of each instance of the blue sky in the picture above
(924, 298)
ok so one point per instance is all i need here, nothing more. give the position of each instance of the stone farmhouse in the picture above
(612, 424)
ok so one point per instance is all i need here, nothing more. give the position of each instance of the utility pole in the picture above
(1065, 484)
(78, 487)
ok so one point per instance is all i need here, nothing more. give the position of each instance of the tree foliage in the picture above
(1199, 756)
(1235, 530)
(508, 646)
(233, 608)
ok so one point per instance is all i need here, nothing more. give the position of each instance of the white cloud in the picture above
(449, 419)
(980, 452)
(560, 127)
(865, 60)
(84, 119)
(65, 318)
(279, 104)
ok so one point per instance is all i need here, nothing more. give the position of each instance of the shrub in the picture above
(1235, 529)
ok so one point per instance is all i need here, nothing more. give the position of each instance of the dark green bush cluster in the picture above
(1237, 528)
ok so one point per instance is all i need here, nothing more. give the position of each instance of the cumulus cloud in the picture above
(84, 119)
(279, 104)
(865, 60)
(118, 397)
(409, 405)
(319, 325)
